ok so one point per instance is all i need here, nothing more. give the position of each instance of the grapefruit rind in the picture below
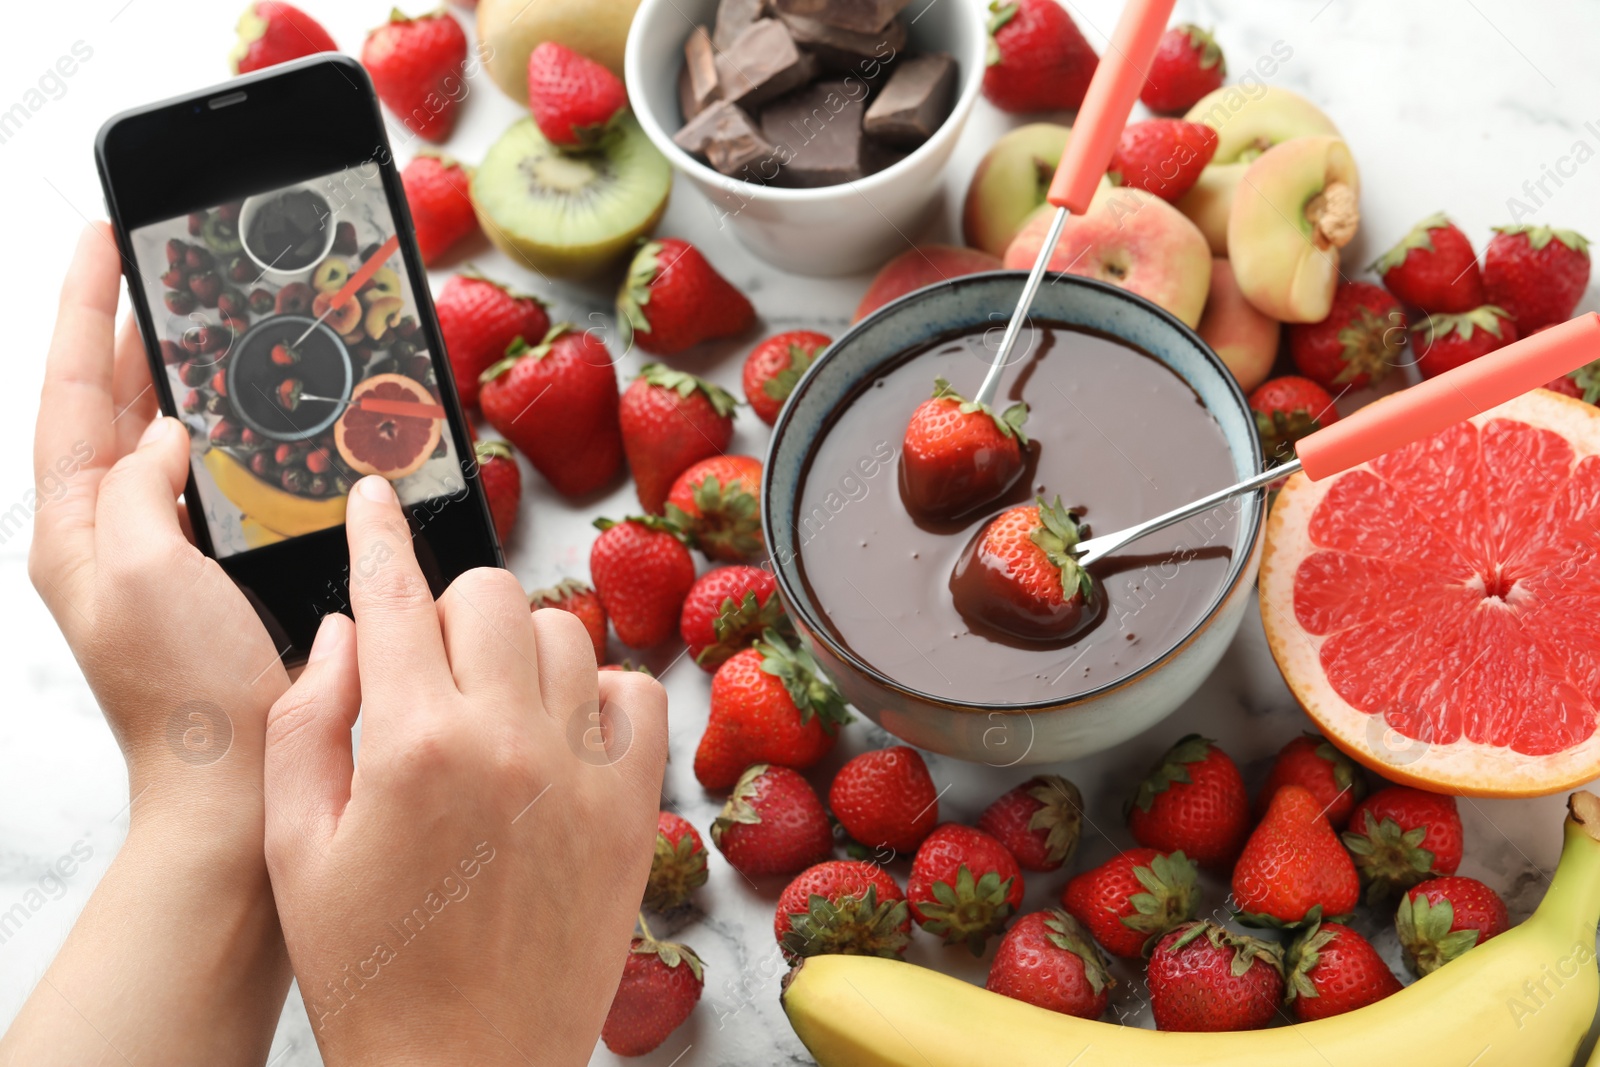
(1462, 767)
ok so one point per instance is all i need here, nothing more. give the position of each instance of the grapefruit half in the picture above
(1437, 611)
(393, 446)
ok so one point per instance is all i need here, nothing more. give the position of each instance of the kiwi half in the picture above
(570, 213)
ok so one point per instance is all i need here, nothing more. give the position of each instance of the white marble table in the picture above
(1463, 105)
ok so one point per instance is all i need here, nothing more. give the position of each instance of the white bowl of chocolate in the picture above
(819, 129)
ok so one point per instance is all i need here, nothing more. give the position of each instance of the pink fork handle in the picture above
(1112, 91)
(1438, 403)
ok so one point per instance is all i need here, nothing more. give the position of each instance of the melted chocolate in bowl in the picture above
(1119, 436)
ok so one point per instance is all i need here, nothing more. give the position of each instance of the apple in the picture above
(382, 313)
(918, 266)
(1010, 182)
(1245, 339)
(342, 319)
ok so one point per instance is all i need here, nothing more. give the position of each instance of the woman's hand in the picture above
(467, 893)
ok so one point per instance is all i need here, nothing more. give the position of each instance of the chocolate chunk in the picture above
(734, 17)
(727, 137)
(914, 102)
(764, 63)
(848, 51)
(865, 16)
(816, 132)
(697, 83)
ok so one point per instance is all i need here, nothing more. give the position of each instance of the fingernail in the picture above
(329, 639)
(376, 489)
(154, 432)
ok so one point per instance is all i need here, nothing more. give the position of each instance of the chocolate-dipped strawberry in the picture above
(958, 455)
(1019, 575)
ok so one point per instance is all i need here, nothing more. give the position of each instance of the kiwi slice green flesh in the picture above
(570, 212)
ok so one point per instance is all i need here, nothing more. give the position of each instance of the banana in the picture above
(284, 514)
(1523, 999)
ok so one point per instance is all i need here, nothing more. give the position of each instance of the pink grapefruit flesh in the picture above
(377, 441)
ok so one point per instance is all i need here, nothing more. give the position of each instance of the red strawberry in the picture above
(1537, 273)
(661, 984)
(417, 67)
(1038, 59)
(629, 665)
(1187, 65)
(1163, 156)
(1445, 342)
(1133, 898)
(1357, 344)
(438, 194)
(769, 704)
(479, 319)
(774, 366)
(958, 455)
(772, 823)
(642, 572)
(1288, 409)
(964, 885)
(1048, 960)
(573, 98)
(669, 421)
(842, 906)
(557, 402)
(1444, 917)
(885, 799)
(718, 501)
(1293, 867)
(580, 599)
(1194, 800)
(1582, 384)
(726, 610)
(502, 483)
(1311, 762)
(679, 865)
(1433, 267)
(1400, 836)
(1332, 970)
(270, 32)
(673, 299)
(1203, 977)
(1039, 821)
(1020, 576)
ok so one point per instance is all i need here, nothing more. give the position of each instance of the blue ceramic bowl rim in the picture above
(1254, 504)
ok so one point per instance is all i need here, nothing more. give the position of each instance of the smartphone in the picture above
(269, 253)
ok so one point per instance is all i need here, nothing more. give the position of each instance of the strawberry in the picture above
(1332, 970)
(557, 402)
(1582, 384)
(1288, 409)
(1187, 65)
(726, 610)
(1536, 273)
(1400, 836)
(271, 32)
(1048, 960)
(1357, 344)
(673, 299)
(573, 98)
(417, 66)
(1021, 576)
(718, 501)
(1203, 977)
(958, 455)
(629, 665)
(580, 599)
(1444, 917)
(1433, 267)
(1311, 762)
(842, 906)
(1445, 342)
(885, 799)
(1039, 821)
(1194, 800)
(769, 704)
(1133, 898)
(772, 823)
(502, 484)
(1163, 156)
(437, 193)
(964, 885)
(774, 366)
(642, 572)
(1293, 868)
(661, 984)
(479, 319)
(669, 421)
(678, 867)
(1038, 59)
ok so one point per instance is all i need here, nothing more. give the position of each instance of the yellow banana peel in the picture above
(279, 512)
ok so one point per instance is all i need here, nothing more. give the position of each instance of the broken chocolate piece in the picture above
(864, 16)
(728, 139)
(816, 132)
(733, 18)
(697, 84)
(914, 102)
(764, 63)
(848, 51)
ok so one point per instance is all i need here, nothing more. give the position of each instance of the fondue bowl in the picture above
(1063, 726)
